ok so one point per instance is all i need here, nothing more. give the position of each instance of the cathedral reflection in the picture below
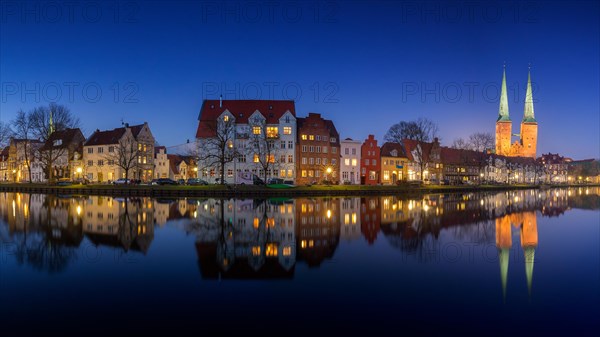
(266, 238)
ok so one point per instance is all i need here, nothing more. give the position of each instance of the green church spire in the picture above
(504, 256)
(503, 111)
(50, 124)
(529, 258)
(528, 113)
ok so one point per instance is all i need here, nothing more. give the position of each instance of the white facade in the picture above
(161, 162)
(281, 137)
(350, 162)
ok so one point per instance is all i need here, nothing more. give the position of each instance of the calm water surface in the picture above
(518, 262)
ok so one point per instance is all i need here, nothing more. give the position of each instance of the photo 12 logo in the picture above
(69, 91)
(326, 92)
(36, 12)
(470, 92)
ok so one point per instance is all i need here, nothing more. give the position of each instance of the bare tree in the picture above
(460, 144)
(481, 141)
(5, 134)
(23, 128)
(217, 151)
(263, 148)
(421, 131)
(45, 121)
(125, 154)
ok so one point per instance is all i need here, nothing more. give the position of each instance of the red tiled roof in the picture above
(105, 137)
(174, 161)
(387, 148)
(67, 136)
(272, 110)
(328, 124)
(410, 145)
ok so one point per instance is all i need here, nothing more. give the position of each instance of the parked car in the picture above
(275, 181)
(122, 181)
(64, 182)
(165, 181)
(196, 181)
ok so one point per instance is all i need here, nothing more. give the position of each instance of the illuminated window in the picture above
(256, 250)
(347, 161)
(270, 222)
(353, 162)
(287, 130)
(311, 137)
(303, 244)
(256, 159)
(225, 118)
(287, 251)
(272, 132)
(303, 173)
(303, 137)
(271, 249)
(271, 158)
(256, 130)
(256, 222)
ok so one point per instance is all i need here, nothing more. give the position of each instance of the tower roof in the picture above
(503, 110)
(528, 115)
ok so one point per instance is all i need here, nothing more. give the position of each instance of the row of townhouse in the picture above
(105, 156)
(240, 138)
(410, 160)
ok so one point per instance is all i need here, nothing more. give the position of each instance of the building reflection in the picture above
(265, 238)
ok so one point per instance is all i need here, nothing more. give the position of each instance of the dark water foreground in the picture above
(523, 262)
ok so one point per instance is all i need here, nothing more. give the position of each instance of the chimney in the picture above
(188, 141)
(126, 125)
(221, 101)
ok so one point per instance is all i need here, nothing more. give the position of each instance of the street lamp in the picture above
(328, 171)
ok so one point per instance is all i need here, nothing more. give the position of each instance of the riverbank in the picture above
(245, 191)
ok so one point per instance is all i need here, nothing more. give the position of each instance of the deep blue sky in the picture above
(370, 63)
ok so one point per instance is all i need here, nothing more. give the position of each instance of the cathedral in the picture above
(526, 145)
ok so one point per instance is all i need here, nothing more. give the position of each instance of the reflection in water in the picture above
(264, 239)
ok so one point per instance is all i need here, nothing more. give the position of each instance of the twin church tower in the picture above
(526, 146)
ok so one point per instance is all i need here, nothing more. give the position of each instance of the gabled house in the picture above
(237, 137)
(318, 150)
(182, 167)
(21, 158)
(4, 174)
(370, 163)
(108, 155)
(61, 154)
(393, 163)
(350, 161)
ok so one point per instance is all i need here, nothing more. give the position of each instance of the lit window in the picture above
(256, 159)
(272, 132)
(225, 118)
(311, 137)
(271, 158)
(256, 250)
(303, 137)
(256, 130)
(287, 251)
(287, 130)
(353, 162)
(271, 249)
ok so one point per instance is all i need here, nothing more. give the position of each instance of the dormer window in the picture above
(57, 142)
(225, 118)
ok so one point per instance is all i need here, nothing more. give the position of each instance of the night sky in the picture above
(364, 65)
